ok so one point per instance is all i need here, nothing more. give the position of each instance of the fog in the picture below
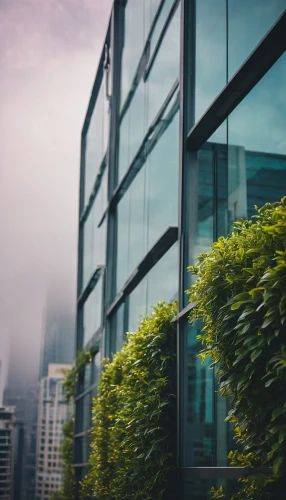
(49, 50)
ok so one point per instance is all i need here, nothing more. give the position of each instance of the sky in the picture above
(49, 51)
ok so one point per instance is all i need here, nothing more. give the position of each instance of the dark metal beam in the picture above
(153, 256)
(272, 46)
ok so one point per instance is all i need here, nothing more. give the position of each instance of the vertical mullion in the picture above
(117, 30)
(186, 201)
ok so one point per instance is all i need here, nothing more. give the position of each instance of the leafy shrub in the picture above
(241, 297)
(132, 441)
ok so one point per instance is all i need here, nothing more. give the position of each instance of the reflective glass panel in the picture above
(143, 214)
(87, 406)
(92, 312)
(210, 66)
(132, 130)
(166, 68)
(133, 44)
(160, 284)
(87, 376)
(160, 23)
(199, 430)
(257, 145)
(117, 329)
(163, 174)
(151, 7)
(96, 140)
(96, 367)
(94, 237)
(248, 23)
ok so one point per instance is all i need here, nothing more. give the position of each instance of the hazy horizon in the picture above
(48, 59)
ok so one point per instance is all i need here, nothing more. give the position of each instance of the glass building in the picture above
(184, 133)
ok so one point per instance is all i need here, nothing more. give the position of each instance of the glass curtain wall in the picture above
(241, 165)
(148, 154)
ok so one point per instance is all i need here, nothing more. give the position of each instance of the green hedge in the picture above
(241, 297)
(132, 441)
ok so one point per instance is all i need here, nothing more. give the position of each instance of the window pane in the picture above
(257, 145)
(160, 24)
(210, 77)
(94, 237)
(96, 367)
(132, 130)
(248, 23)
(133, 44)
(117, 329)
(151, 7)
(96, 140)
(199, 430)
(166, 67)
(160, 284)
(87, 376)
(143, 214)
(92, 312)
(163, 173)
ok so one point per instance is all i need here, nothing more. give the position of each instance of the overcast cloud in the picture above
(49, 51)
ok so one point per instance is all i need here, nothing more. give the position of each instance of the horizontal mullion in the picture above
(87, 391)
(94, 191)
(248, 75)
(150, 140)
(184, 312)
(221, 472)
(90, 285)
(164, 243)
(161, 37)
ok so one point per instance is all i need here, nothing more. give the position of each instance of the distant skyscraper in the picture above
(52, 412)
(58, 333)
(7, 438)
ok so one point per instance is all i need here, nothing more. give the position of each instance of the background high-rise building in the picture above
(7, 451)
(52, 413)
(58, 344)
(185, 132)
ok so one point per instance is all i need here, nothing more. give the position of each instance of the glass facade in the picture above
(169, 62)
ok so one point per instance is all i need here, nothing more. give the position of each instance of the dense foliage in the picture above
(132, 440)
(83, 357)
(241, 297)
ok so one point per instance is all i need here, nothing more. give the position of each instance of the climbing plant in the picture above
(132, 441)
(83, 357)
(241, 297)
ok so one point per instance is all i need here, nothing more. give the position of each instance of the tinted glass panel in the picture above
(166, 68)
(133, 44)
(117, 329)
(160, 284)
(248, 23)
(210, 70)
(160, 23)
(96, 140)
(132, 130)
(199, 432)
(143, 213)
(257, 145)
(94, 236)
(92, 312)
(163, 173)
(151, 7)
